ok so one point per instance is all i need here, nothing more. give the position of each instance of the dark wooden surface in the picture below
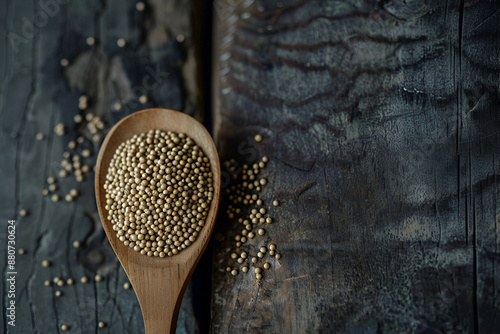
(381, 123)
(36, 93)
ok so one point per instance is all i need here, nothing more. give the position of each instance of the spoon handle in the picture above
(160, 292)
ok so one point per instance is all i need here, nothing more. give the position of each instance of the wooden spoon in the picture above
(158, 282)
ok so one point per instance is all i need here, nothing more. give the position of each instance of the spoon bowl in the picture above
(158, 282)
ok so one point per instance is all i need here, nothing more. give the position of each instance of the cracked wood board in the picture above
(381, 123)
(36, 94)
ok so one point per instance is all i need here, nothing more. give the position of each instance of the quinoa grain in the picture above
(158, 191)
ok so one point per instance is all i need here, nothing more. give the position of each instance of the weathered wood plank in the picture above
(381, 124)
(36, 93)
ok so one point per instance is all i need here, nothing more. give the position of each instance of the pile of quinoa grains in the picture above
(246, 210)
(158, 188)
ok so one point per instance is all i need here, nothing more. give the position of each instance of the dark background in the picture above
(380, 121)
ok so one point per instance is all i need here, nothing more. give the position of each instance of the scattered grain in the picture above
(99, 125)
(59, 129)
(78, 119)
(140, 6)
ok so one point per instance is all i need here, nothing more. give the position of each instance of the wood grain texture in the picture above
(380, 120)
(36, 93)
(158, 282)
